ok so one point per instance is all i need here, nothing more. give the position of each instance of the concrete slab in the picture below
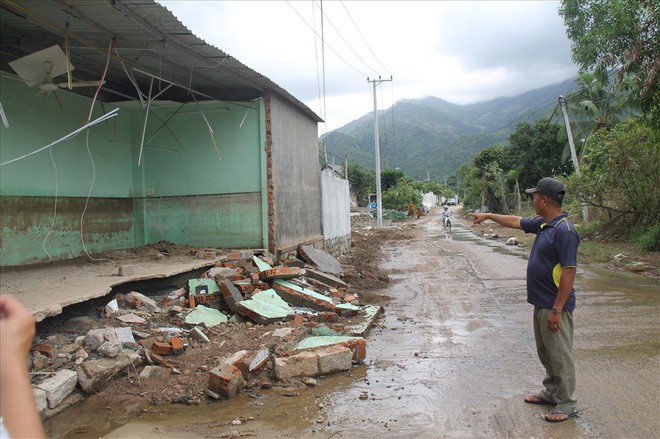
(265, 307)
(322, 259)
(315, 342)
(369, 315)
(261, 265)
(326, 278)
(299, 296)
(45, 289)
(209, 316)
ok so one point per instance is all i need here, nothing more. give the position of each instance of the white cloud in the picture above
(462, 52)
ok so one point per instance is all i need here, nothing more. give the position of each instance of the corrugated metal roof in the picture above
(147, 39)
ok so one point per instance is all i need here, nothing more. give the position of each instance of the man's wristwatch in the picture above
(556, 311)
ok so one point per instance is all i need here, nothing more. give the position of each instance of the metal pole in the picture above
(571, 144)
(379, 203)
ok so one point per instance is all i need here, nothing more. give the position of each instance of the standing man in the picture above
(550, 274)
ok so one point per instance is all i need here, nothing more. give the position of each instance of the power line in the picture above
(344, 39)
(326, 44)
(364, 39)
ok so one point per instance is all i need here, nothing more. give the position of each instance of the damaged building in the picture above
(120, 129)
(133, 151)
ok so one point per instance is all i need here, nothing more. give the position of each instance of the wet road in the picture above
(453, 356)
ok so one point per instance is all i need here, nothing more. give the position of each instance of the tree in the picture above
(537, 152)
(389, 178)
(620, 176)
(618, 36)
(362, 182)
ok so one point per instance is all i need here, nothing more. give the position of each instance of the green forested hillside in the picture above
(430, 136)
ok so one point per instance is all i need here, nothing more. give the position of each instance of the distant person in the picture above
(446, 215)
(550, 275)
(18, 412)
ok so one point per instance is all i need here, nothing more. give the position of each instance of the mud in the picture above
(453, 356)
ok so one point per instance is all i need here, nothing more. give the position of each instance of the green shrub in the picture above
(650, 240)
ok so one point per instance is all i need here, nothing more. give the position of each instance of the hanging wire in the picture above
(329, 46)
(364, 39)
(344, 40)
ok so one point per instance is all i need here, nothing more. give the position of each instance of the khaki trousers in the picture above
(555, 350)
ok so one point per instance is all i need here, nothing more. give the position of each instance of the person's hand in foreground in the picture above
(17, 408)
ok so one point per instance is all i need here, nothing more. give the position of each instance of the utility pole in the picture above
(571, 144)
(379, 199)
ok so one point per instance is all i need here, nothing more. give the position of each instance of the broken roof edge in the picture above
(269, 86)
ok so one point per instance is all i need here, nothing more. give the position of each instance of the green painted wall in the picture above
(186, 195)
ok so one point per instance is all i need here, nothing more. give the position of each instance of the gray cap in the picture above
(549, 186)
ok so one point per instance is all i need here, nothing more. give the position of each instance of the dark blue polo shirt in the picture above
(555, 247)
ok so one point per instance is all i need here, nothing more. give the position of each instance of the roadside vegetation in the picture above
(615, 124)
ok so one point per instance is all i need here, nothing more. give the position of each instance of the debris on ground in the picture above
(246, 323)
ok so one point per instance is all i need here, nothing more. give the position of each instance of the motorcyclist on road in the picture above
(446, 215)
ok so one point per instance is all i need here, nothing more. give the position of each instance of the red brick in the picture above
(225, 382)
(161, 348)
(177, 345)
(191, 301)
(298, 319)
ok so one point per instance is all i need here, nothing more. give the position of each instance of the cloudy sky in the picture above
(460, 51)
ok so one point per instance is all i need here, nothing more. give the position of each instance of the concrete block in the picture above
(125, 337)
(302, 364)
(109, 349)
(334, 359)
(126, 270)
(94, 339)
(299, 296)
(40, 399)
(155, 372)
(221, 273)
(59, 386)
(92, 375)
(225, 382)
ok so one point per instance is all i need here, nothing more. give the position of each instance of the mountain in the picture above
(430, 136)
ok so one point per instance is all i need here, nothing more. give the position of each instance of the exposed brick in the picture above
(161, 348)
(225, 381)
(177, 345)
(280, 273)
(205, 254)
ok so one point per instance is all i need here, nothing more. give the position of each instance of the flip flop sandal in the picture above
(560, 412)
(535, 399)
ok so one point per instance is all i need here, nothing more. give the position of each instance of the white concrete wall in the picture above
(430, 199)
(335, 207)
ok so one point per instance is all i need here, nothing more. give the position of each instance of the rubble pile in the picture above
(245, 323)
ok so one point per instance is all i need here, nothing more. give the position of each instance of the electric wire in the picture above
(89, 152)
(52, 224)
(329, 46)
(344, 40)
(364, 39)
